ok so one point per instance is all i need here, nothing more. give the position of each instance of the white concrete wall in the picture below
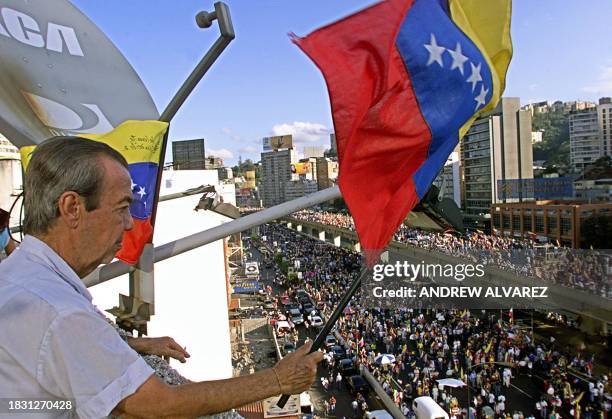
(10, 186)
(190, 292)
(175, 181)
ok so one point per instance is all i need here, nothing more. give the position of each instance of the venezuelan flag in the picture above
(406, 78)
(140, 142)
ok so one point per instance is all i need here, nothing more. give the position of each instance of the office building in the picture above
(213, 163)
(333, 145)
(188, 154)
(449, 179)
(327, 172)
(297, 188)
(545, 220)
(313, 151)
(276, 172)
(496, 148)
(225, 173)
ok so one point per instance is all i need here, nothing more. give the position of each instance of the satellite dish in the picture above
(60, 75)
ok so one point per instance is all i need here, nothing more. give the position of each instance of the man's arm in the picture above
(294, 374)
(165, 347)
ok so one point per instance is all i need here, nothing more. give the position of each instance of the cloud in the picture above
(223, 153)
(248, 149)
(229, 132)
(303, 132)
(603, 84)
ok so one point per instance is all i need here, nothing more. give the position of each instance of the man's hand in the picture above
(165, 347)
(297, 371)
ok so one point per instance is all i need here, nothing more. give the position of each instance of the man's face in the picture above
(104, 226)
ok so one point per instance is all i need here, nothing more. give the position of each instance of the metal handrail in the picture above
(202, 238)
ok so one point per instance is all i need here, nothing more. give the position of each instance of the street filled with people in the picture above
(503, 370)
(586, 270)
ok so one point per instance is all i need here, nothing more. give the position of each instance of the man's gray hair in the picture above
(58, 165)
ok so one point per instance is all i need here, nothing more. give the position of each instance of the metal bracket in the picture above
(203, 20)
(132, 314)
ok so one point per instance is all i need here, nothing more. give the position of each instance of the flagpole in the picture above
(331, 322)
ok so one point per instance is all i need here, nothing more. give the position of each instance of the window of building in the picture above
(539, 224)
(527, 223)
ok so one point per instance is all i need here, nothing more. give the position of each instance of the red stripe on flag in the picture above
(381, 134)
(134, 241)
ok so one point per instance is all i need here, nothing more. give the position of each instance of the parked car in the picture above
(316, 321)
(339, 352)
(357, 384)
(307, 308)
(269, 305)
(293, 306)
(330, 341)
(347, 367)
(296, 316)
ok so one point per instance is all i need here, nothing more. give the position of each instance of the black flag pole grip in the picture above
(320, 339)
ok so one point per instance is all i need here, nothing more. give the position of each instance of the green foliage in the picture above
(555, 145)
(282, 263)
(596, 231)
(600, 169)
(293, 279)
(244, 166)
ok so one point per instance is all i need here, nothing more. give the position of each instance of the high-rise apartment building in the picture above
(604, 115)
(188, 155)
(496, 147)
(332, 143)
(585, 139)
(276, 172)
(590, 134)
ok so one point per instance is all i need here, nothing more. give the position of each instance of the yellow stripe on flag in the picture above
(487, 24)
(137, 141)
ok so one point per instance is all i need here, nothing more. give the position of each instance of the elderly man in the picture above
(54, 343)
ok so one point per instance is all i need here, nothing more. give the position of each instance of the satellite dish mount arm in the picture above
(203, 20)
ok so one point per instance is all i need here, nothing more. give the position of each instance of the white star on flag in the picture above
(141, 192)
(475, 77)
(481, 98)
(435, 51)
(458, 58)
(133, 184)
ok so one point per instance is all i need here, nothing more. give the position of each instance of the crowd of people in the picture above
(477, 348)
(587, 270)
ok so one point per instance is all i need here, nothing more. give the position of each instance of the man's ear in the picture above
(71, 208)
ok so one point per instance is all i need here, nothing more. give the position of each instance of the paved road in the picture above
(317, 393)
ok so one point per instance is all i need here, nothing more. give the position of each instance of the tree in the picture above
(600, 169)
(555, 146)
(596, 231)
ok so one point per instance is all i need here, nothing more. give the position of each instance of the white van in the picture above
(426, 408)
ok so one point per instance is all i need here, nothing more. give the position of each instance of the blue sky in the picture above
(264, 85)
